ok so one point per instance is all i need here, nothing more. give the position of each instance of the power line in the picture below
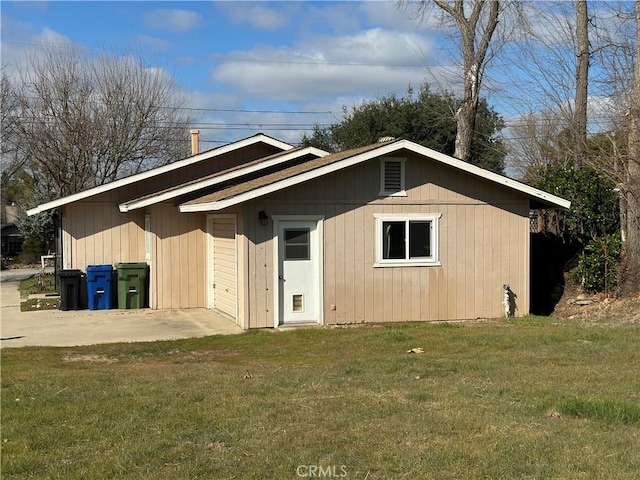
(242, 110)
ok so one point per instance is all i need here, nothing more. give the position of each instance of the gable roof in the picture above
(297, 174)
(258, 138)
(221, 177)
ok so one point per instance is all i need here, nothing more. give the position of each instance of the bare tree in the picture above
(88, 121)
(582, 81)
(630, 188)
(10, 161)
(475, 22)
(539, 140)
(564, 53)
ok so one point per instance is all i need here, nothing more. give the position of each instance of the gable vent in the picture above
(392, 176)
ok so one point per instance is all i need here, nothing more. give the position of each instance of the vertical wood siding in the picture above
(483, 237)
(180, 257)
(98, 234)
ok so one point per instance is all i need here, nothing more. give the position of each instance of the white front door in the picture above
(299, 275)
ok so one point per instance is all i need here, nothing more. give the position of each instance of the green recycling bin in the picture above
(132, 284)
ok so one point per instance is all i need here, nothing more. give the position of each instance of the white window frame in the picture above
(387, 193)
(433, 260)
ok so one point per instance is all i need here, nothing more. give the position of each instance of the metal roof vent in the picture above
(386, 139)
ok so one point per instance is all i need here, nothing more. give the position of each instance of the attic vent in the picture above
(392, 176)
(386, 139)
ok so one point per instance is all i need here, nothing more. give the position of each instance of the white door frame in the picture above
(210, 291)
(319, 220)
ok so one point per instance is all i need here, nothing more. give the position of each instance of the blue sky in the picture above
(276, 67)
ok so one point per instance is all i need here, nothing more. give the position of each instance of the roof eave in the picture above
(544, 197)
(179, 191)
(260, 137)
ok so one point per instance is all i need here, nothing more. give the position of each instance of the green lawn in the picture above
(532, 398)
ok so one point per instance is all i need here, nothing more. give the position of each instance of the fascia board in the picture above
(127, 207)
(494, 177)
(158, 171)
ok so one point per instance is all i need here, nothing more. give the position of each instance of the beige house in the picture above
(271, 235)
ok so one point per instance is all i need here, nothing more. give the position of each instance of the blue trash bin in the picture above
(99, 291)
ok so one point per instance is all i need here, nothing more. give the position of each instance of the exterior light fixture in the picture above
(263, 217)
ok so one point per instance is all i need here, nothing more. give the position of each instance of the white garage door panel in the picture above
(224, 268)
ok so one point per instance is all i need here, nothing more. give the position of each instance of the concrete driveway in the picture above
(88, 327)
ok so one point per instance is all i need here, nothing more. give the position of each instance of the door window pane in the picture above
(296, 244)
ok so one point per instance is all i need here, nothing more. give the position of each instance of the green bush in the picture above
(594, 204)
(597, 268)
(31, 250)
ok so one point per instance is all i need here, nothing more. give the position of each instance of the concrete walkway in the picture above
(88, 327)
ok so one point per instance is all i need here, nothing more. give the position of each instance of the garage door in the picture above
(222, 264)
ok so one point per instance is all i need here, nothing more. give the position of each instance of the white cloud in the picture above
(370, 62)
(26, 43)
(387, 14)
(155, 44)
(258, 15)
(175, 20)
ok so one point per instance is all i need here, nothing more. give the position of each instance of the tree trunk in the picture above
(582, 82)
(476, 32)
(630, 190)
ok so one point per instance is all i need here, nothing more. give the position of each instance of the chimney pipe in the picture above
(195, 147)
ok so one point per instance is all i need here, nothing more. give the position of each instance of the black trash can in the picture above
(70, 282)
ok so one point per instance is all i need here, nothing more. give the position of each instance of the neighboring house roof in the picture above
(297, 174)
(160, 170)
(10, 229)
(223, 176)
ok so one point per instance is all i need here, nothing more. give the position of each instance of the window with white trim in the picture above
(392, 176)
(407, 240)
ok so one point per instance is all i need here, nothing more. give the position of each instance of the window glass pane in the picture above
(419, 239)
(296, 244)
(393, 240)
(299, 236)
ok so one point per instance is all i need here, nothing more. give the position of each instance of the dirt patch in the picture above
(600, 309)
(89, 359)
(218, 445)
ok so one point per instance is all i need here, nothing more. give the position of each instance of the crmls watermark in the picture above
(322, 471)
